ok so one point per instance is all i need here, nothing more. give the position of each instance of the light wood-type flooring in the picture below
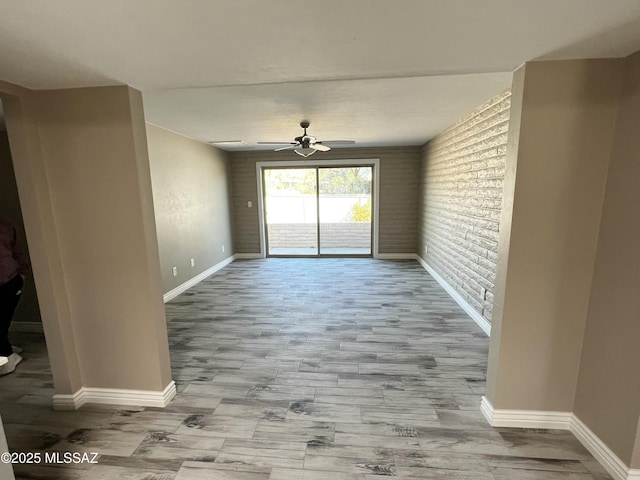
(299, 369)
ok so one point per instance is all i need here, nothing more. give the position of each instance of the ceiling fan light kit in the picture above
(304, 151)
(305, 144)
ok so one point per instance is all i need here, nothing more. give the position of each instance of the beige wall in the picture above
(566, 115)
(28, 310)
(102, 206)
(31, 176)
(635, 455)
(192, 201)
(461, 199)
(504, 237)
(608, 392)
(83, 176)
(398, 210)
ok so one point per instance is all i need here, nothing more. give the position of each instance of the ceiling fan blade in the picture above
(339, 142)
(319, 146)
(276, 143)
(288, 147)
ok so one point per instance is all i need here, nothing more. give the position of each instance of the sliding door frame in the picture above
(374, 163)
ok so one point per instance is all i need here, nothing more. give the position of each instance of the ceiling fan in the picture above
(305, 144)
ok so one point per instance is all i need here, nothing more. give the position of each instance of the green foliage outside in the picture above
(290, 180)
(347, 181)
(361, 213)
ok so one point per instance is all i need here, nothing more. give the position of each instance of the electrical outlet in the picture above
(193, 262)
(222, 248)
(426, 248)
(249, 204)
(175, 271)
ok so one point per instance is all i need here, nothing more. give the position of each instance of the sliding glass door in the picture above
(291, 211)
(345, 210)
(318, 211)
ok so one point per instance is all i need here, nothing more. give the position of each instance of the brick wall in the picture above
(461, 200)
(399, 184)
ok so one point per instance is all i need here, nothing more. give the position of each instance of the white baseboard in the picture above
(562, 421)
(475, 316)
(248, 256)
(395, 256)
(487, 410)
(73, 401)
(112, 396)
(525, 418)
(27, 327)
(603, 454)
(170, 295)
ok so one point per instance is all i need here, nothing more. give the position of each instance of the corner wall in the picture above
(398, 212)
(95, 152)
(461, 187)
(192, 203)
(557, 161)
(82, 170)
(608, 390)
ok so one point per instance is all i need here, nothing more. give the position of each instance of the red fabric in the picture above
(11, 258)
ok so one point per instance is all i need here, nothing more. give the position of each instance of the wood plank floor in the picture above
(300, 369)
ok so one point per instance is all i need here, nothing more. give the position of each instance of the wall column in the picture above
(608, 391)
(562, 122)
(82, 170)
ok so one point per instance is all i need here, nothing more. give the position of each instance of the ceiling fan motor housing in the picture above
(305, 140)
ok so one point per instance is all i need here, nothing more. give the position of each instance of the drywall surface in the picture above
(608, 392)
(192, 203)
(566, 114)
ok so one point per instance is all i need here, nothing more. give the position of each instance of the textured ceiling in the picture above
(381, 72)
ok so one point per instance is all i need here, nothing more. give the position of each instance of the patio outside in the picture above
(342, 223)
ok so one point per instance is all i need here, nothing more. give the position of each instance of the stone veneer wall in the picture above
(461, 199)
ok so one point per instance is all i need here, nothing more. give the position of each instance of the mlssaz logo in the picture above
(70, 457)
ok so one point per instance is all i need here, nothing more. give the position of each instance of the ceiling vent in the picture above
(228, 143)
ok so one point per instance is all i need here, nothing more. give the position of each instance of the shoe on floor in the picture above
(12, 361)
(3, 361)
(16, 349)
